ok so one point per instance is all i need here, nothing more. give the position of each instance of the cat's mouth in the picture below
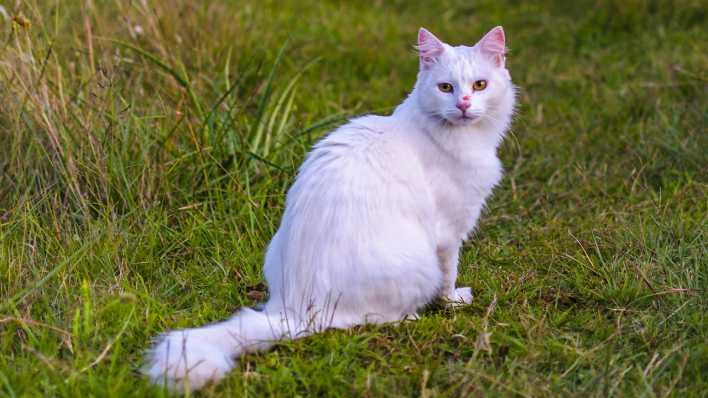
(465, 118)
(458, 119)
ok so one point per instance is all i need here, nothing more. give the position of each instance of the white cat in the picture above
(375, 219)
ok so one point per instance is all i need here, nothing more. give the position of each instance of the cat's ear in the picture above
(493, 46)
(429, 47)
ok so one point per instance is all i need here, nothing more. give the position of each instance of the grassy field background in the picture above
(146, 146)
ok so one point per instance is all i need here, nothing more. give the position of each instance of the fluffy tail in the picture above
(188, 359)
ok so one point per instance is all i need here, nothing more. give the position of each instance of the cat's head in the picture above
(463, 85)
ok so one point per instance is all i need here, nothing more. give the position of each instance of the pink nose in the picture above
(463, 105)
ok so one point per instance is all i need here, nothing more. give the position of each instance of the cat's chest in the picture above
(460, 190)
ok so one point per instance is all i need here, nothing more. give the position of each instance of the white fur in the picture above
(374, 221)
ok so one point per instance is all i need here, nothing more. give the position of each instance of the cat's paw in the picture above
(411, 317)
(461, 296)
(182, 363)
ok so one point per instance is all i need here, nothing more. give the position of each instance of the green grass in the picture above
(145, 152)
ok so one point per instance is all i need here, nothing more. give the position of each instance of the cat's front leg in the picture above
(448, 257)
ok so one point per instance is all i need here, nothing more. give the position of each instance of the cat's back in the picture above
(369, 143)
(366, 156)
(361, 134)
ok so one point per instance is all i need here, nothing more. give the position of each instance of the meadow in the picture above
(146, 147)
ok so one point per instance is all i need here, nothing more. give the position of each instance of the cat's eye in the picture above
(479, 85)
(445, 87)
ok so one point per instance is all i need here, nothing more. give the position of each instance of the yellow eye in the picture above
(445, 87)
(479, 85)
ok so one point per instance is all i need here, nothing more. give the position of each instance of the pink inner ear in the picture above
(493, 44)
(429, 47)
